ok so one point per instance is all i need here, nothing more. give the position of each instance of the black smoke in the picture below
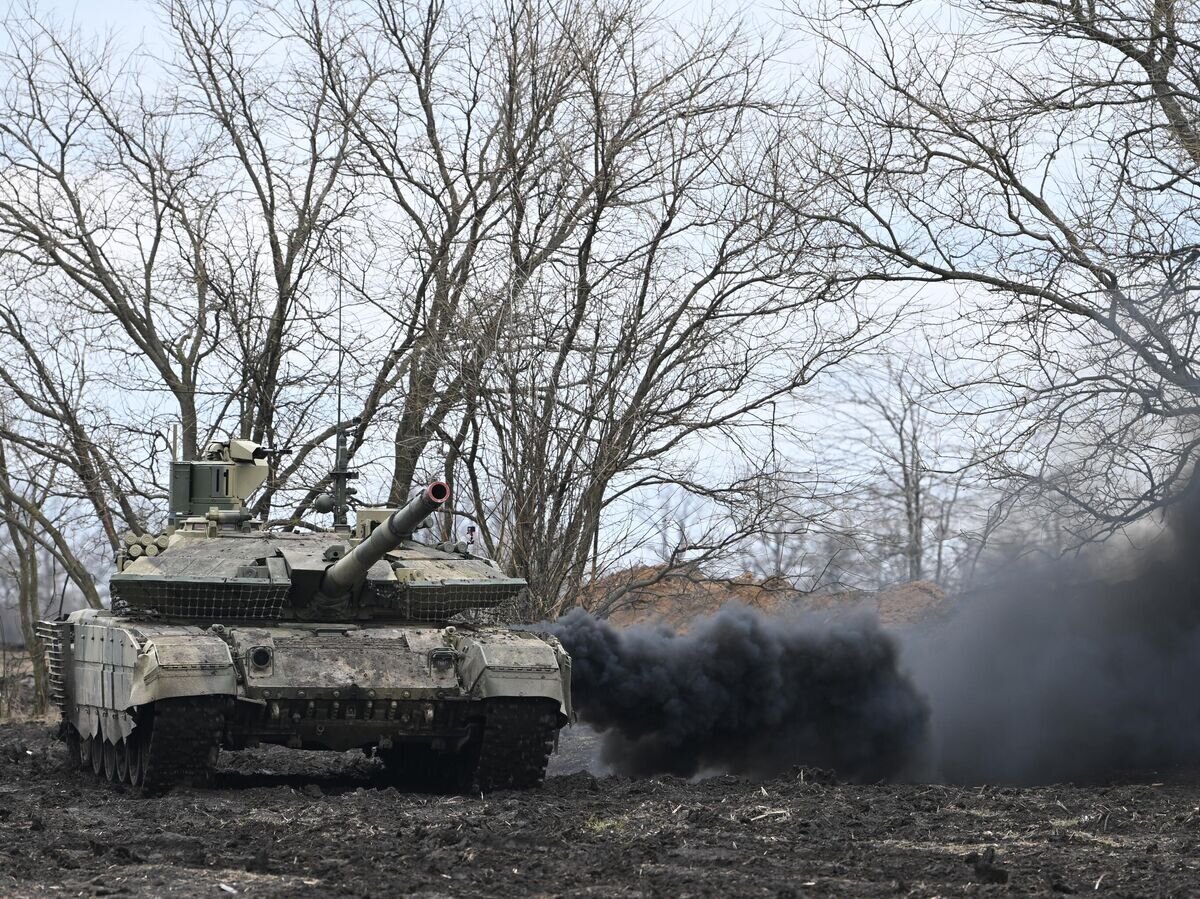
(1073, 671)
(746, 693)
(1081, 670)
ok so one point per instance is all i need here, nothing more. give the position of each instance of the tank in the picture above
(223, 635)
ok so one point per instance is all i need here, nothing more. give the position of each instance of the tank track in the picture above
(518, 737)
(185, 738)
(513, 744)
(176, 741)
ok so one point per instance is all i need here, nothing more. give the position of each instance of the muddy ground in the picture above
(281, 823)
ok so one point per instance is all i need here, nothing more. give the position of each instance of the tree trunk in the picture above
(30, 609)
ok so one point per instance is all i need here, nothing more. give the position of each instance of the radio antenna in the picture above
(341, 342)
(341, 475)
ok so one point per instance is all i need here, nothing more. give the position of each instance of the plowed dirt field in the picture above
(276, 823)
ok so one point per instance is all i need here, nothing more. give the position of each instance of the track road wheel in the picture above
(134, 771)
(85, 752)
(110, 762)
(122, 775)
(98, 745)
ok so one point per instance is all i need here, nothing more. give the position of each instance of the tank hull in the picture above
(422, 697)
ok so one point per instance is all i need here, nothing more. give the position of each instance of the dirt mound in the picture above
(645, 594)
(895, 606)
(331, 829)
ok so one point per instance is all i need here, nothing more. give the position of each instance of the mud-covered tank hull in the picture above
(444, 707)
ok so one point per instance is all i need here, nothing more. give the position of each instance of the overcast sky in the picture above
(137, 21)
(134, 20)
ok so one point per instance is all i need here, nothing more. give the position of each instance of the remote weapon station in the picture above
(224, 634)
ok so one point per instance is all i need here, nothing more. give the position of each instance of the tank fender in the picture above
(512, 664)
(170, 666)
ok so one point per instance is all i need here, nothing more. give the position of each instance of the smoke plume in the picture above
(1073, 671)
(745, 693)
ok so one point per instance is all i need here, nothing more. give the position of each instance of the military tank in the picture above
(224, 634)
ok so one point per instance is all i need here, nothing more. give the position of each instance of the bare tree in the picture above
(41, 528)
(587, 275)
(60, 481)
(917, 470)
(263, 78)
(19, 509)
(1042, 157)
(90, 191)
(183, 225)
(552, 252)
(675, 306)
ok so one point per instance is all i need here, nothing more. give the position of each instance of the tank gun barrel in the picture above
(343, 575)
